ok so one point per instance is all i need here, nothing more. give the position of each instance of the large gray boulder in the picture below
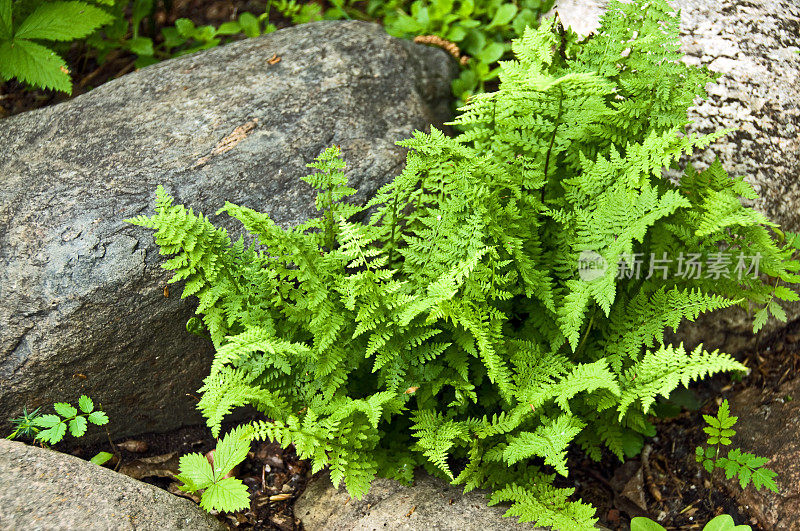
(84, 307)
(753, 44)
(47, 490)
(429, 504)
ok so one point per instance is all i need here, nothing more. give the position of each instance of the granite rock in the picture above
(429, 504)
(85, 308)
(46, 490)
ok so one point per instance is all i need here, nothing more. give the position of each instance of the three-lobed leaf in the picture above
(53, 435)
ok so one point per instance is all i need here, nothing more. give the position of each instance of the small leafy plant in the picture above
(51, 429)
(24, 425)
(22, 56)
(220, 491)
(460, 327)
(747, 467)
(723, 522)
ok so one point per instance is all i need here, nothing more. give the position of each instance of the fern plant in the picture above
(746, 467)
(455, 328)
(22, 56)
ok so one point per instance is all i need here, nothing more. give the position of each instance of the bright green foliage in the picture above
(51, 429)
(25, 426)
(747, 467)
(22, 57)
(481, 28)
(182, 38)
(723, 522)
(68, 417)
(455, 328)
(220, 493)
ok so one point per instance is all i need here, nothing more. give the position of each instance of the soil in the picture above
(663, 483)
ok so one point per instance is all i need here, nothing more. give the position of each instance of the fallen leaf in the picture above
(134, 446)
(162, 466)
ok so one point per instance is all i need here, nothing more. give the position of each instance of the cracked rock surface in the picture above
(84, 303)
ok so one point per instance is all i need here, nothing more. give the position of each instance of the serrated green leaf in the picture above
(62, 21)
(777, 311)
(86, 404)
(227, 495)
(53, 435)
(195, 472)
(185, 27)
(760, 320)
(77, 426)
(231, 451)
(47, 421)
(98, 418)
(712, 421)
(65, 410)
(5, 20)
(34, 64)
(744, 476)
(713, 440)
(708, 464)
(101, 458)
(763, 477)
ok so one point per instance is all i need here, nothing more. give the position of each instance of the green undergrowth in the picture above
(481, 28)
(488, 316)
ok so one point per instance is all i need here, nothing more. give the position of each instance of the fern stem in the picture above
(553, 138)
(586, 333)
(394, 224)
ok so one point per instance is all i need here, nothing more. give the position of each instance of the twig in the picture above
(648, 475)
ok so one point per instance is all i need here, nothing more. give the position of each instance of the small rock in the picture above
(429, 504)
(47, 490)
